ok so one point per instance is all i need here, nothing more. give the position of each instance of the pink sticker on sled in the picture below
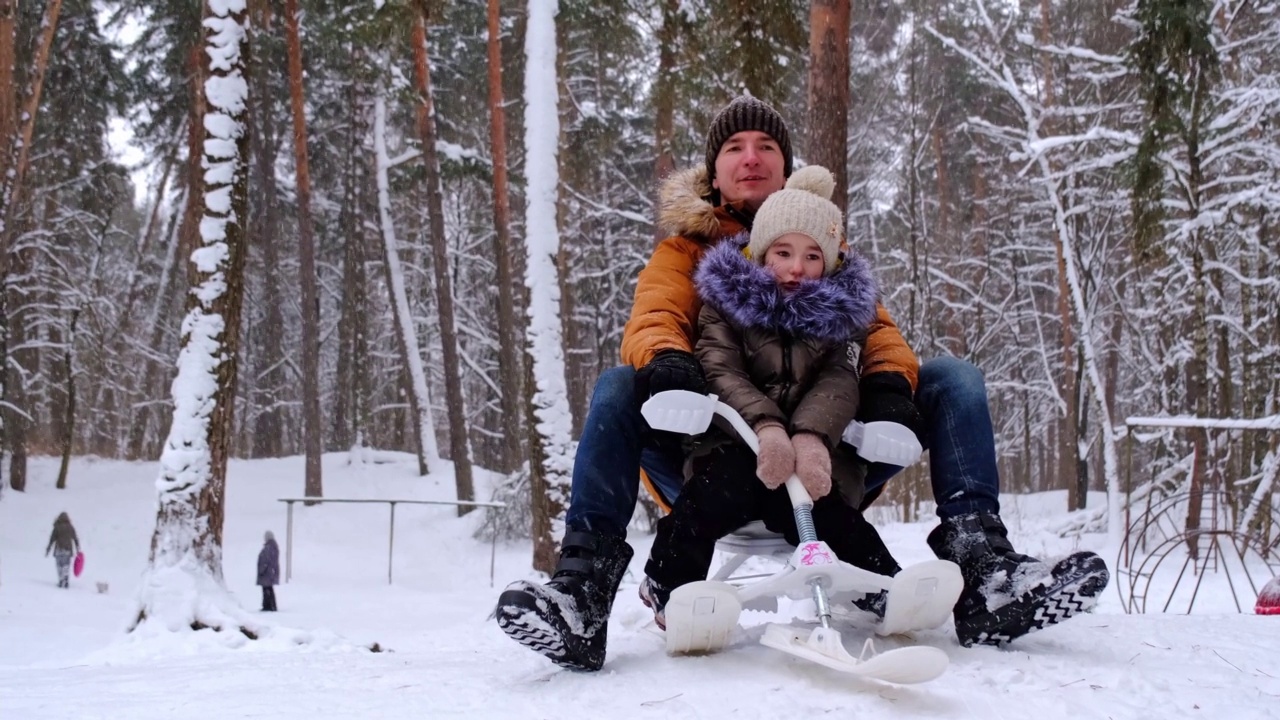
(814, 554)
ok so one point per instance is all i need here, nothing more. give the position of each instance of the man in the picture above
(748, 157)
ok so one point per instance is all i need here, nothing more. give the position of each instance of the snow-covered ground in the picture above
(64, 653)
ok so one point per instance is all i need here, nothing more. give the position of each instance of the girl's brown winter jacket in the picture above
(63, 538)
(787, 358)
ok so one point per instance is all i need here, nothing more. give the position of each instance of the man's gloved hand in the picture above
(670, 370)
(777, 459)
(887, 396)
(813, 463)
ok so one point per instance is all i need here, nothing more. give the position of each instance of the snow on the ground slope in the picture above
(63, 653)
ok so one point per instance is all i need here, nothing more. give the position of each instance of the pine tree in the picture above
(185, 568)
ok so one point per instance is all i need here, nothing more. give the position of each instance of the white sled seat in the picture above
(747, 541)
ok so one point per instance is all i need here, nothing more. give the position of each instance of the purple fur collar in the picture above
(832, 309)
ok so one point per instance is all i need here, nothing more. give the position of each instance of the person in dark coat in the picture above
(780, 333)
(269, 571)
(65, 544)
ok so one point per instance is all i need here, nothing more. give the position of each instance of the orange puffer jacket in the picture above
(665, 312)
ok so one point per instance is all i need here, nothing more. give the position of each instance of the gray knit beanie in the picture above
(747, 113)
(804, 207)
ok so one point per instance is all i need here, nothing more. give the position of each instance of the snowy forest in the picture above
(1079, 196)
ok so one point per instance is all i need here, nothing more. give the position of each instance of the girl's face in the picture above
(794, 257)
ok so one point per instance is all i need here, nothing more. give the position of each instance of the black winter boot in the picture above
(654, 595)
(567, 619)
(1006, 594)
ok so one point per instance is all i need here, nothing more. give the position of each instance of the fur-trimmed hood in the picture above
(835, 308)
(684, 206)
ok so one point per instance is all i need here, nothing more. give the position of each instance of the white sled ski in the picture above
(906, 665)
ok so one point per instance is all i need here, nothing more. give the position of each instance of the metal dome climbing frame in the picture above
(1167, 564)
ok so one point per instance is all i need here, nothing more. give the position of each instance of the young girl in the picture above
(64, 543)
(269, 570)
(780, 333)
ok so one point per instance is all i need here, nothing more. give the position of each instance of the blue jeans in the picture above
(616, 443)
(957, 432)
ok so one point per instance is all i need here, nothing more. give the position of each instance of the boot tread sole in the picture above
(538, 637)
(1037, 611)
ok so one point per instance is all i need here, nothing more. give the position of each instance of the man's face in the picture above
(749, 168)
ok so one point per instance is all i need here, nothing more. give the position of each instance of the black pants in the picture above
(724, 494)
(268, 598)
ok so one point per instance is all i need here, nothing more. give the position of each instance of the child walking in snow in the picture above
(779, 337)
(269, 571)
(65, 544)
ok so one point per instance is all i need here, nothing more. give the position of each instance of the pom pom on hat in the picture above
(814, 179)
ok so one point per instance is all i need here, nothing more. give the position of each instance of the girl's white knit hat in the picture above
(803, 206)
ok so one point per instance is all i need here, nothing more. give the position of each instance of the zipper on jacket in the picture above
(746, 219)
(787, 374)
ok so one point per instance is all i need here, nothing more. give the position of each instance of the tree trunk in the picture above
(546, 546)
(184, 242)
(459, 436)
(8, 126)
(1197, 391)
(312, 429)
(406, 335)
(664, 102)
(69, 423)
(951, 328)
(1079, 477)
(548, 410)
(509, 360)
(184, 574)
(1068, 445)
(1198, 365)
(16, 152)
(829, 92)
(8, 93)
(20, 146)
(15, 410)
(144, 401)
(270, 381)
(577, 393)
(351, 411)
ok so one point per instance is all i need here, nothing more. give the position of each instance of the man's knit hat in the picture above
(803, 206)
(747, 113)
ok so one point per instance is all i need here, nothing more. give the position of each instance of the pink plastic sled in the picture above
(1269, 598)
(78, 566)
